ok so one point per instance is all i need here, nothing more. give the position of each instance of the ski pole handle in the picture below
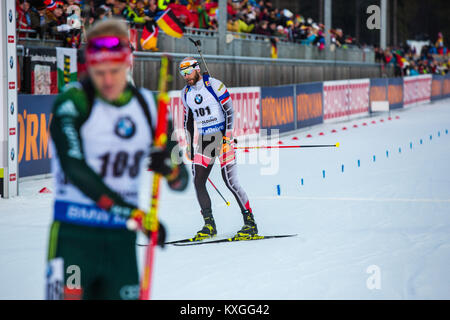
(197, 44)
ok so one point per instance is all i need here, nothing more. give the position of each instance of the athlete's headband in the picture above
(108, 49)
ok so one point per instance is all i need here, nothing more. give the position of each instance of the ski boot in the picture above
(249, 230)
(209, 229)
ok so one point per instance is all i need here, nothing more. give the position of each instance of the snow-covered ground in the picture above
(380, 230)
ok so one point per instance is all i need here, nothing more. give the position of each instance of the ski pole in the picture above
(300, 146)
(227, 202)
(197, 44)
(159, 142)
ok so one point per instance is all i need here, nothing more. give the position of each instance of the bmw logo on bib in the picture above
(125, 128)
(198, 99)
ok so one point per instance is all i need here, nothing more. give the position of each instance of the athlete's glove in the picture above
(144, 224)
(176, 175)
(227, 144)
(190, 151)
(160, 161)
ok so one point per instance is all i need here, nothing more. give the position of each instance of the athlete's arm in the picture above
(188, 125)
(226, 104)
(70, 111)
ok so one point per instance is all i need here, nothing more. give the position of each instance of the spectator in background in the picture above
(291, 31)
(388, 59)
(110, 4)
(319, 41)
(23, 19)
(280, 32)
(413, 69)
(238, 23)
(339, 37)
(127, 11)
(263, 28)
(101, 13)
(203, 17)
(379, 54)
(188, 18)
(273, 28)
(153, 10)
(233, 24)
(440, 44)
(301, 31)
(88, 11)
(264, 14)
(39, 20)
(56, 18)
(184, 20)
(272, 17)
(311, 34)
(141, 8)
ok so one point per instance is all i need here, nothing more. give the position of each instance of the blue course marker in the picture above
(387, 154)
(359, 163)
(374, 158)
(342, 168)
(278, 189)
(301, 181)
(399, 150)
(410, 145)
(439, 133)
(446, 131)
(323, 174)
(421, 141)
(431, 137)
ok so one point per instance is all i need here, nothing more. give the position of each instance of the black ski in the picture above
(225, 240)
(187, 240)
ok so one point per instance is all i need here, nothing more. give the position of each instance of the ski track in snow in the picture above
(393, 213)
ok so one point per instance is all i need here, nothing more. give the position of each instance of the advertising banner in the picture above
(345, 99)
(437, 85)
(309, 103)
(378, 95)
(246, 107)
(34, 118)
(395, 93)
(277, 108)
(416, 89)
(446, 87)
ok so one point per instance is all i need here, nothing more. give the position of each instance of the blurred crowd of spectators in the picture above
(260, 17)
(62, 20)
(67, 19)
(407, 61)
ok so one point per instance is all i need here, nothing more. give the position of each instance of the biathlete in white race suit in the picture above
(207, 102)
(102, 131)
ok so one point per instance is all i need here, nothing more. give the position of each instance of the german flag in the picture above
(169, 23)
(273, 49)
(149, 38)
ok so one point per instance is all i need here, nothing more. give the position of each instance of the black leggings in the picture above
(229, 176)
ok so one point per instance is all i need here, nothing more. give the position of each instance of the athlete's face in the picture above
(110, 78)
(192, 78)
